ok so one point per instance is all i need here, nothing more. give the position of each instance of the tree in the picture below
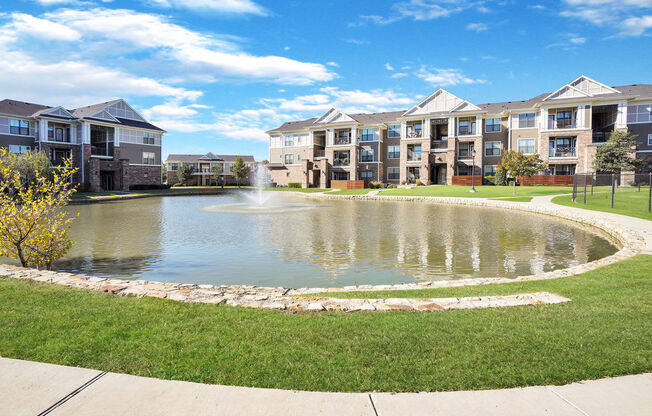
(517, 164)
(617, 154)
(218, 174)
(240, 170)
(33, 222)
(164, 173)
(184, 172)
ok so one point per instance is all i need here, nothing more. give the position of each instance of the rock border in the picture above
(280, 298)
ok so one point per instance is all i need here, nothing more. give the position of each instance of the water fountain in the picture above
(260, 201)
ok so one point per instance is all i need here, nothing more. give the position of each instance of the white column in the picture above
(451, 127)
(621, 118)
(354, 135)
(116, 136)
(478, 125)
(426, 128)
(42, 130)
(329, 137)
(86, 133)
(73, 133)
(403, 130)
(543, 122)
(579, 123)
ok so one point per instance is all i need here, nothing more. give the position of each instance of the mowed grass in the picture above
(180, 190)
(351, 191)
(481, 191)
(627, 201)
(514, 199)
(604, 331)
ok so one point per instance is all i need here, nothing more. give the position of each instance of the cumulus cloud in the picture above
(477, 27)
(446, 77)
(629, 17)
(221, 6)
(27, 25)
(425, 10)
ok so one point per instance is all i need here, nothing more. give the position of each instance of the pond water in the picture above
(203, 239)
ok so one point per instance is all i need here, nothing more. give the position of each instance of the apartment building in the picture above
(111, 145)
(203, 168)
(445, 136)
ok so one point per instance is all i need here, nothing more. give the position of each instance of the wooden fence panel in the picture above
(467, 180)
(546, 180)
(336, 184)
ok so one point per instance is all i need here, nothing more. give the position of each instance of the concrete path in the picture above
(30, 388)
(644, 227)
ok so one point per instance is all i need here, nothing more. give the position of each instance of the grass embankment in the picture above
(179, 190)
(306, 190)
(514, 199)
(604, 331)
(351, 191)
(627, 201)
(481, 191)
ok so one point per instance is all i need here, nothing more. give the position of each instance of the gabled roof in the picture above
(20, 108)
(209, 156)
(334, 116)
(293, 126)
(57, 112)
(199, 158)
(581, 87)
(377, 118)
(439, 101)
(89, 110)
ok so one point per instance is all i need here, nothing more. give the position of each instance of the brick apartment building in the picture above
(203, 168)
(445, 136)
(111, 145)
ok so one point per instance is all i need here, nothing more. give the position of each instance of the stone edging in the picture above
(281, 299)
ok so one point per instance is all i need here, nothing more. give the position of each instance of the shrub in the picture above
(375, 185)
(391, 185)
(418, 182)
(489, 180)
(501, 177)
(294, 184)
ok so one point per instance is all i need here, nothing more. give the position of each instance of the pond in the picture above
(320, 243)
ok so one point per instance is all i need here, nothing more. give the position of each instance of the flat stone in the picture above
(114, 290)
(314, 306)
(156, 294)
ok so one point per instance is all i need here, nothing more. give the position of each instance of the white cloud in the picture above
(426, 10)
(578, 40)
(477, 27)
(333, 64)
(631, 17)
(399, 75)
(388, 66)
(28, 25)
(202, 55)
(446, 77)
(357, 42)
(75, 83)
(221, 6)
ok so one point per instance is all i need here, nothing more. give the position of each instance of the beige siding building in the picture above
(445, 136)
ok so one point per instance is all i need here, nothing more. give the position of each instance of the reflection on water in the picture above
(339, 243)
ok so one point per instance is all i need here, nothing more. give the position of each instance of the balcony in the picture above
(319, 153)
(601, 136)
(341, 161)
(561, 124)
(414, 134)
(338, 141)
(562, 151)
(413, 156)
(438, 145)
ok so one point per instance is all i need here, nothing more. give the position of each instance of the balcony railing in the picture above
(563, 123)
(341, 161)
(341, 140)
(367, 158)
(438, 145)
(102, 150)
(414, 134)
(562, 152)
(320, 153)
(601, 137)
(465, 154)
(413, 156)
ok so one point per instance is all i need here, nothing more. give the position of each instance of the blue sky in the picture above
(217, 73)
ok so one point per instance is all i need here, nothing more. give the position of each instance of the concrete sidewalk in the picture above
(30, 388)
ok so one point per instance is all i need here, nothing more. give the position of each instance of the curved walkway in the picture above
(30, 388)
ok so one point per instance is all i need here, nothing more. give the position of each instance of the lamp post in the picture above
(472, 170)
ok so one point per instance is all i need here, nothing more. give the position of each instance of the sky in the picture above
(216, 74)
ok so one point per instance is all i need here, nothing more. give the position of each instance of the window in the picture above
(490, 170)
(14, 148)
(526, 146)
(341, 176)
(639, 113)
(393, 173)
(562, 147)
(414, 129)
(50, 132)
(341, 158)
(149, 158)
(20, 127)
(393, 152)
(492, 148)
(413, 174)
(465, 151)
(173, 166)
(564, 169)
(467, 126)
(649, 139)
(414, 152)
(367, 135)
(492, 124)
(289, 141)
(366, 175)
(231, 166)
(562, 119)
(367, 155)
(342, 137)
(464, 170)
(148, 138)
(58, 156)
(289, 159)
(394, 130)
(526, 120)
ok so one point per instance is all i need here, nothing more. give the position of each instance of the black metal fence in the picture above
(630, 192)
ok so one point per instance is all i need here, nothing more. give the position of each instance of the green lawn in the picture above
(351, 192)
(481, 191)
(604, 331)
(627, 201)
(179, 190)
(514, 199)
